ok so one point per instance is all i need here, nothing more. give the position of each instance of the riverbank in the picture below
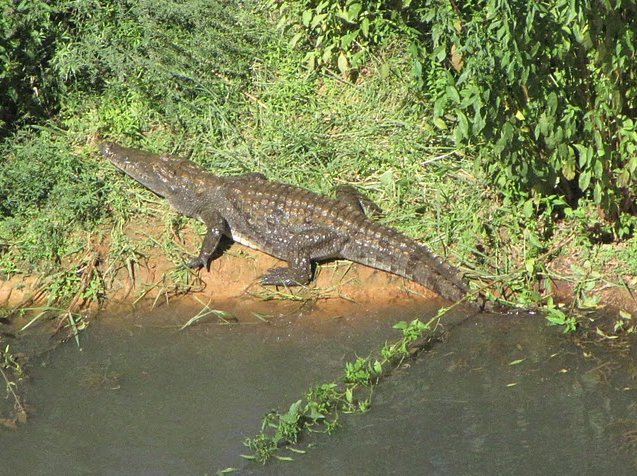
(157, 277)
(77, 236)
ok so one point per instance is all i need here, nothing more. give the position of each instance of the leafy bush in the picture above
(340, 32)
(173, 55)
(545, 92)
(28, 87)
(169, 51)
(46, 191)
(551, 88)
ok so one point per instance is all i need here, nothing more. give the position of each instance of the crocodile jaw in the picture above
(163, 176)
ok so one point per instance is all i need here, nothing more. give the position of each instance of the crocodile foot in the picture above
(197, 263)
(284, 277)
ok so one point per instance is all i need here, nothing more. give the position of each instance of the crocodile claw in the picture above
(282, 277)
(196, 263)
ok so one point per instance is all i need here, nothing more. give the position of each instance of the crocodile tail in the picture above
(384, 248)
(428, 269)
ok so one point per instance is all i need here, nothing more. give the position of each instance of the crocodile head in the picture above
(166, 176)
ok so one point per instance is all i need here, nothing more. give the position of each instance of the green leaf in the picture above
(597, 193)
(463, 125)
(439, 123)
(387, 180)
(584, 180)
(556, 316)
(296, 38)
(599, 142)
(441, 53)
(628, 124)
(306, 17)
(365, 27)
(533, 239)
(585, 155)
(346, 40)
(349, 396)
(378, 367)
(343, 63)
(529, 265)
(312, 61)
(327, 54)
(598, 167)
(478, 122)
(452, 93)
(568, 168)
(416, 69)
(317, 20)
(551, 102)
(528, 209)
(384, 70)
(353, 11)
(623, 178)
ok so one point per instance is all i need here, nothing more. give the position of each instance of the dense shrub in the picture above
(546, 92)
(46, 192)
(168, 51)
(28, 87)
(40, 168)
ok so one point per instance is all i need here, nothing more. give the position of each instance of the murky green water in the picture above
(143, 398)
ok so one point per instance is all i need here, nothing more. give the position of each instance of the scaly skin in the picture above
(288, 222)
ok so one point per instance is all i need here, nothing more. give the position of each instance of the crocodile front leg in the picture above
(216, 227)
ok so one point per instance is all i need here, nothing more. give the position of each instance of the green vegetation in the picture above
(27, 41)
(135, 71)
(543, 94)
(11, 372)
(500, 133)
(167, 58)
(318, 410)
(478, 158)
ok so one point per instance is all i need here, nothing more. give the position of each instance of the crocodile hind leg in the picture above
(353, 197)
(297, 273)
(216, 228)
(312, 244)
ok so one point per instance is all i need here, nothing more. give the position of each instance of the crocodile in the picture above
(286, 221)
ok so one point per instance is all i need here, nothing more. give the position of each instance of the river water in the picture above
(500, 395)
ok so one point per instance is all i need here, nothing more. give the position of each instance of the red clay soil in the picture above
(234, 276)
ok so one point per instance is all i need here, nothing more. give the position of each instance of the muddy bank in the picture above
(233, 278)
(157, 275)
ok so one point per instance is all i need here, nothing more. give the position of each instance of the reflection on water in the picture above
(499, 396)
(472, 406)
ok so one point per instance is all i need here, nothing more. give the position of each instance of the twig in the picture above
(12, 392)
(434, 159)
